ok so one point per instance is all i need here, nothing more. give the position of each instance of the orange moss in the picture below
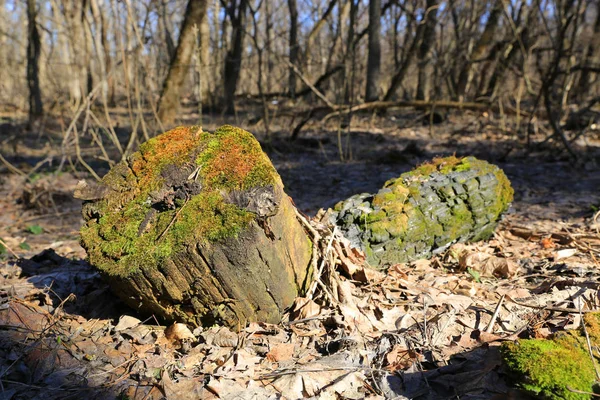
(129, 237)
(441, 164)
(172, 147)
(233, 159)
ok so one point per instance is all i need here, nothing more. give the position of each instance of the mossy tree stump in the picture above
(196, 227)
(425, 210)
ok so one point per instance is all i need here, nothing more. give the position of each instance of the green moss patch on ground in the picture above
(171, 193)
(550, 367)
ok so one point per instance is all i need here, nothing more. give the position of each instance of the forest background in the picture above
(113, 63)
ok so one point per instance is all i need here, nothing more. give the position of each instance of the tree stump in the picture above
(424, 211)
(196, 227)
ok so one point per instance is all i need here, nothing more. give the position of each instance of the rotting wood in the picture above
(196, 227)
(424, 211)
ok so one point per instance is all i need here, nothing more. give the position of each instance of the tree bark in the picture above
(33, 59)
(101, 51)
(171, 92)
(484, 41)
(196, 227)
(233, 58)
(205, 57)
(74, 13)
(426, 210)
(424, 49)
(374, 58)
(591, 50)
(293, 9)
(402, 70)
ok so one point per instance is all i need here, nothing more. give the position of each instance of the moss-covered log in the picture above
(425, 210)
(196, 227)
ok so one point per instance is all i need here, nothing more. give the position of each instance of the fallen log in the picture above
(195, 227)
(424, 211)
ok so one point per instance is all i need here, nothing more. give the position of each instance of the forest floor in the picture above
(429, 329)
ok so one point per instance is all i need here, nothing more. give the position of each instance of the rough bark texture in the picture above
(374, 58)
(293, 8)
(479, 49)
(33, 62)
(424, 211)
(169, 98)
(233, 58)
(425, 47)
(196, 227)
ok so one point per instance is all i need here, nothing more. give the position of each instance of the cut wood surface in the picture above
(196, 227)
(425, 210)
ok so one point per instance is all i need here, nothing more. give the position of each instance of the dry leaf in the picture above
(304, 308)
(281, 352)
(178, 332)
(564, 253)
(220, 336)
(488, 265)
(399, 358)
(126, 322)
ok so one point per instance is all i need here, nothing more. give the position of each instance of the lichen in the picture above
(132, 230)
(557, 367)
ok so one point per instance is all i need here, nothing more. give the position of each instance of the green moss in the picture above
(419, 213)
(549, 367)
(208, 216)
(130, 235)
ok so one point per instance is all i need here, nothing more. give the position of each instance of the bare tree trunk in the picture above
(163, 23)
(169, 99)
(293, 9)
(74, 12)
(374, 58)
(350, 53)
(424, 49)
(314, 33)
(233, 59)
(592, 49)
(520, 45)
(268, 42)
(33, 58)
(205, 56)
(99, 43)
(216, 62)
(409, 55)
(466, 74)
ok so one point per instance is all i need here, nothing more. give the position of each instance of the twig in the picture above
(589, 345)
(570, 389)
(3, 243)
(11, 167)
(172, 221)
(490, 326)
(319, 271)
(310, 85)
(555, 309)
(300, 321)
(293, 371)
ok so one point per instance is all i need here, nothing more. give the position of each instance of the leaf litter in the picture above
(425, 330)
